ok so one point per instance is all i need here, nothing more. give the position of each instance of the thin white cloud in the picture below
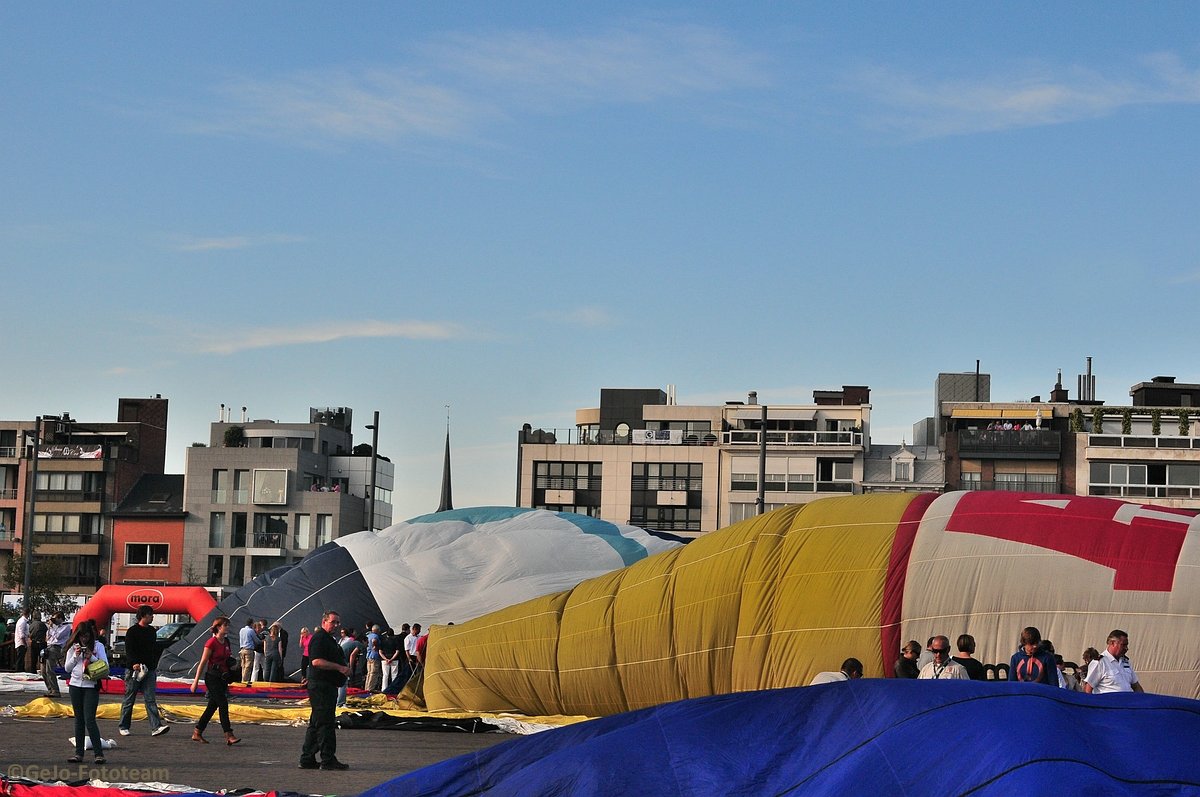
(1033, 96)
(235, 242)
(1185, 279)
(272, 337)
(453, 85)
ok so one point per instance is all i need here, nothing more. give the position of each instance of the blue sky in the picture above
(505, 207)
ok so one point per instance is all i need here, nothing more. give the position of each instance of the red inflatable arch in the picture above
(114, 598)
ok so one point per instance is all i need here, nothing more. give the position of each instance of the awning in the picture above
(960, 412)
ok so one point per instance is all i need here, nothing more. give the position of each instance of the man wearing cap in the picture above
(141, 673)
(1112, 672)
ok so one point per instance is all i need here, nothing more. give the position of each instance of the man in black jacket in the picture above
(141, 673)
(327, 671)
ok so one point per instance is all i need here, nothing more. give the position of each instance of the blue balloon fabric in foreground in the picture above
(877, 737)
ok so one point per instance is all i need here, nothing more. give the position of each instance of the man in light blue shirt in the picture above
(247, 643)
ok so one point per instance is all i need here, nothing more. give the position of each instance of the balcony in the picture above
(9, 452)
(1145, 491)
(1020, 486)
(8, 494)
(750, 437)
(584, 437)
(1010, 444)
(268, 543)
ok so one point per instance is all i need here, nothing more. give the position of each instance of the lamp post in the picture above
(27, 543)
(760, 503)
(374, 427)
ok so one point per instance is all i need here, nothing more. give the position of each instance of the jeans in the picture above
(218, 700)
(274, 668)
(257, 674)
(84, 700)
(148, 686)
(321, 736)
(53, 657)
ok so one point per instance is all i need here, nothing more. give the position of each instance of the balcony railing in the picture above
(665, 483)
(8, 452)
(1145, 491)
(567, 483)
(792, 438)
(269, 539)
(1004, 441)
(8, 494)
(1143, 441)
(1029, 486)
(78, 496)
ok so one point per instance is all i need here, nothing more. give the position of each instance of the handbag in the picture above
(232, 670)
(96, 671)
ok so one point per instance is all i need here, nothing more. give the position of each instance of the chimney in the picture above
(752, 399)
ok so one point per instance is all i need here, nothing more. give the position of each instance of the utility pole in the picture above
(27, 543)
(374, 427)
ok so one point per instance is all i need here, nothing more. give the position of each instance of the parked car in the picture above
(165, 637)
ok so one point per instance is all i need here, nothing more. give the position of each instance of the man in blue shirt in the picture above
(248, 640)
(374, 661)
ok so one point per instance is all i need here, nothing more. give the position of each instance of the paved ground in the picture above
(266, 759)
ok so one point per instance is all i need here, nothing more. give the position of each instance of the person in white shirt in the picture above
(942, 668)
(21, 643)
(1112, 672)
(410, 645)
(852, 669)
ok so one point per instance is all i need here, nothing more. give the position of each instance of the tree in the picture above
(46, 586)
(235, 437)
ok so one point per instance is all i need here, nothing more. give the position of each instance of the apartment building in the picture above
(642, 458)
(264, 493)
(81, 473)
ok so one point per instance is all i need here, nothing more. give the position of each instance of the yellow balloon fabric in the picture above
(768, 602)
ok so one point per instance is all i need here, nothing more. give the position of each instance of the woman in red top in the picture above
(214, 663)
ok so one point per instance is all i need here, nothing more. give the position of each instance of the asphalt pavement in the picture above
(266, 758)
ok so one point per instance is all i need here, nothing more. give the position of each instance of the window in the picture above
(567, 475)
(237, 537)
(216, 568)
(665, 518)
(669, 476)
(237, 570)
(743, 481)
(739, 512)
(776, 482)
(902, 471)
(301, 533)
(270, 486)
(220, 486)
(270, 531)
(146, 553)
(324, 529)
(971, 481)
(241, 486)
(801, 483)
(216, 530)
(576, 509)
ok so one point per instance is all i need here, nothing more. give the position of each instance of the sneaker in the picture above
(312, 764)
(124, 731)
(333, 763)
(160, 730)
(100, 759)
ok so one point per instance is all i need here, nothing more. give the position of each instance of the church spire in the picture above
(447, 500)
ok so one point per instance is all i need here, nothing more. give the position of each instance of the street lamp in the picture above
(27, 543)
(374, 427)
